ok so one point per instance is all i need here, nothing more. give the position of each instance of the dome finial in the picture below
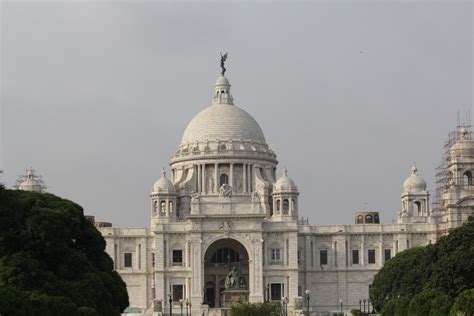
(414, 170)
(285, 171)
(163, 172)
(223, 59)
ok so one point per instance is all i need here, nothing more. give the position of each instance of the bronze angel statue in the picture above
(223, 59)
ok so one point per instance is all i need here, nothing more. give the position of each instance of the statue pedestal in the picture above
(232, 297)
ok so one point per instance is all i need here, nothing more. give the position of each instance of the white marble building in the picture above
(223, 202)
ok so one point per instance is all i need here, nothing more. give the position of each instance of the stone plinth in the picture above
(234, 296)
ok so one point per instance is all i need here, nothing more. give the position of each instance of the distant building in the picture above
(224, 206)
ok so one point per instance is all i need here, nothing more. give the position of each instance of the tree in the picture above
(53, 260)
(464, 304)
(428, 278)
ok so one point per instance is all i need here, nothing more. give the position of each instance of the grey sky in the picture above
(96, 95)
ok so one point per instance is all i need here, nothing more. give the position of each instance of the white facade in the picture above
(223, 203)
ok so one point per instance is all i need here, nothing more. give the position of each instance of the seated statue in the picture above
(234, 280)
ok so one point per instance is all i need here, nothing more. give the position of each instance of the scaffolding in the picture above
(34, 179)
(441, 171)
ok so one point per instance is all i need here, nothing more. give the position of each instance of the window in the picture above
(275, 255)
(376, 219)
(286, 206)
(467, 178)
(418, 208)
(371, 255)
(224, 179)
(127, 260)
(299, 256)
(153, 259)
(355, 256)
(323, 257)
(276, 291)
(178, 291)
(278, 206)
(387, 254)
(225, 255)
(360, 219)
(177, 257)
(163, 206)
(368, 219)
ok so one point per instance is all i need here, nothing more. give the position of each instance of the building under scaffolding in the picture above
(442, 177)
(30, 181)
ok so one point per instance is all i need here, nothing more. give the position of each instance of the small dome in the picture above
(222, 81)
(284, 183)
(464, 146)
(163, 184)
(414, 183)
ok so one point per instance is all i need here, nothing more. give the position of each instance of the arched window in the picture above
(225, 255)
(376, 219)
(224, 179)
(360, 219)
(467, 178)
(170, 206)
(163, 206)
(418, 208)
(222, 147)
(155, 208)
(278, 206)
(286, 206)
(368, 219)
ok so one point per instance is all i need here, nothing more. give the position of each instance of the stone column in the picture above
(203, 177)
(362, 252)
(292, 286)
(159, 268)
(250, 170)
(255, 271)
(198, 178)
(216, 178)
(216, 290)
(231, 175)
(244, 168)
(198, 273)
(381, 251)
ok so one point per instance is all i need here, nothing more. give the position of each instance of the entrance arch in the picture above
(219, 258)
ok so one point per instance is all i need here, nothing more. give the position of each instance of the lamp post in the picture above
(364, 304)
(307, 292)
(340, 303)
(190, 310)
(171, 304)
(181, 305)
(187, 303)
(284, 302)
(368, 306)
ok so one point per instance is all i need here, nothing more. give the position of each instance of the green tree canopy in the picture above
(53, 260)
(426, 280)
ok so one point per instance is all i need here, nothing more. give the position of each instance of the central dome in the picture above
(222, 122)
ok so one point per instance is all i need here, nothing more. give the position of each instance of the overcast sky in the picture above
(96, 95)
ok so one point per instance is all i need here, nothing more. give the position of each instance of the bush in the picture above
(464, 304)
(396, 307)
(257, 309)
(429, 302)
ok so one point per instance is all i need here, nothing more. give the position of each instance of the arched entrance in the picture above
(218, 261)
